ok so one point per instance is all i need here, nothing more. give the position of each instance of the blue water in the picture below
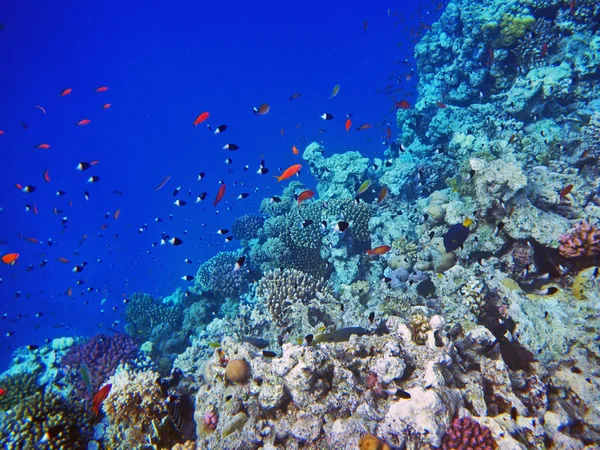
(164, 65)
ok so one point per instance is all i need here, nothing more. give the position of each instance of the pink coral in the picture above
(581, 241)
(210, 419)
(466, 434)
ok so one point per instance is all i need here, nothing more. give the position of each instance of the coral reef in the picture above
(247, 226)
(218, 277)
(581, 241)
(148, 318)
(465, 433)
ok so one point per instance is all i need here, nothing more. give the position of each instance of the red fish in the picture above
(201, 118)
(102, 89)
(69, 292)
(99, 397)
(32, 240)
(63, 260)
(365, 126)
(382, 194)
(565, 191)
(2, 392)
(1, 132)
(106, 106)
(66, 91)
(117, 213)
(281, 132)
(162, 183)
(402, 104)
(83, 122)
(305, 195)
(220, 195)
(381, 250)
(295, 150)
(544, 50)
(289, 172)
(490, 60)
(10, 258)
(47, 176)
(44, 146)
(262, 109)
(572, 6)
(440, 105)
(348, 124)
(35, 210)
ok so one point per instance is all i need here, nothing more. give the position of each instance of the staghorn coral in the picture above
(46, 419)
(217, 275)
(582, 241)
(356, 214)
(466, 434)
(148, 317)
(18, 388)
(247, 226)
(532, 48)
(279, 289)
(102, 354)
(136, 411)
(513, 28)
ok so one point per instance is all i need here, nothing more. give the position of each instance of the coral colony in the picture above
(449, 303)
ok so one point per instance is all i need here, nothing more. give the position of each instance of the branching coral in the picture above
(136, 411)
(581, 241)
(46, 419)
(533, 47)
(18, 388)
(247, 226)
(281, 288)
(147, 316)
(591, 135)
(217, 275)
(102, 354)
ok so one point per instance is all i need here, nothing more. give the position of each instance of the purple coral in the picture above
(466, 434)
(581, 241)
(210, 419)
(102, 354)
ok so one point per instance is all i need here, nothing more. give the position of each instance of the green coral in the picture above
(513, 28)
(46, 420)
(18, 388)
(148, 317)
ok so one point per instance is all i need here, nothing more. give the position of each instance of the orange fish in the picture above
(70, 292)
(44, 146)
(402, 104)
(63, 260)
(381, 250)
(348, 124)
(66, 91)
(106, 106)
(10, 258)
(104, 227)
(290, 171)
(565, 191)
(35, 210)
(99, 397)
(83, 122)
(117, 213)
(201, 118)
(365, 126)
(32, 240)
(220, 195)
(94, 162)
(281, 132)
(382, 194)
(47, 176)
(388, 133)
(295, 150)
(102, 89)
(440, 105)
(544, 50)
(262, 109)
(305, 195)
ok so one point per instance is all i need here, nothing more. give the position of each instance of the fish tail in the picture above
(278, 178)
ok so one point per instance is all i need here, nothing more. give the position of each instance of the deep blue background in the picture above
(164, 64)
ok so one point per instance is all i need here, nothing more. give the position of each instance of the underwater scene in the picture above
(310, 225)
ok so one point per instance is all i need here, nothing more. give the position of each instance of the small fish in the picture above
(187, 277)
(295, 150)
(440, 105)
(336, 90)
(269, 354)
(547, 291)
(47, 176)
(544, 50)
(180, 202)
(456, 236)
(83, 122)
(363, 187)
(364, 126)
(106, 106)
(99, 397)
(220, 129)
(102, 89)
(498, 228)
(223, 231)
(231, 147)
(327, 116)
(43, 146)
(348, 124)
(176, 191)
(365, 26)
(381, 250)
(201, 118)
(201, 197)
(402, 104)
(93, 179)
(66, 92)
(341, 226)
(239, 263)
(117, 214)
(261, 110)
(40, 108)
(275, 200)
(10, 258)
(306, 223)
(289, 172)
(220, 195)
(341, 335)
(175, 241)
(84, 371)
(161, 184)
(382, 194)
(228, 161)
(294, 96)
(26, 189)
(305, 195)
(228, 238)
(565, 191)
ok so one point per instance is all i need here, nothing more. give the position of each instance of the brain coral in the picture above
(247, 226)
(217, 275)
(136, 411)
(46, 415)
